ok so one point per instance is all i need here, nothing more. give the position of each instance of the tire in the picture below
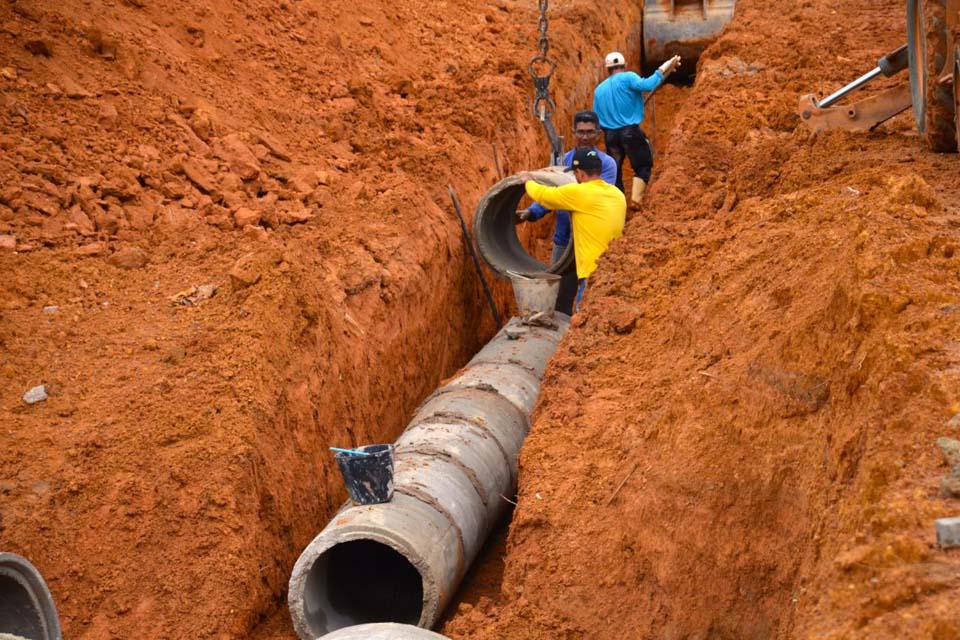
(933, 102)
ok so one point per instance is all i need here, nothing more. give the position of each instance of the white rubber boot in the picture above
(636, 193)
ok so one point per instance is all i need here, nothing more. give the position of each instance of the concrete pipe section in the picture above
(495, 230)
(401, 561)
(383, 631)
(682, 27)
(26, 606)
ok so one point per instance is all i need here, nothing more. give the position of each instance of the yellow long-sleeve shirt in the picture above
(597, 213)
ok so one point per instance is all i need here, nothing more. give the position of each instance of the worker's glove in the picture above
(670, 66)
(523, 215)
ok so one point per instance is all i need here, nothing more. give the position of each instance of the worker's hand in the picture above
(522, 215)
(670, 66)
(524, 176)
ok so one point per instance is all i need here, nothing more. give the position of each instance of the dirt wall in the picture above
(738, 438)
(295, 155)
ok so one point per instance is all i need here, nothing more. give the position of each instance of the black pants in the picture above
(568, 287)
(631, 142)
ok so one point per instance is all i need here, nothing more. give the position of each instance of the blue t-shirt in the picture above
(618, 100)
(561, 230)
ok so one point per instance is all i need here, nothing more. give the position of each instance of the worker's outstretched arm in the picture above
(537, 211)
(551, 197)
(654, 81)
(648, 84)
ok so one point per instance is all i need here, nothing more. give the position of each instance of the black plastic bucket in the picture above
(369, 478)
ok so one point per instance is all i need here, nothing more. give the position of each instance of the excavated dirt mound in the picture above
(739, 438)
(295, 156)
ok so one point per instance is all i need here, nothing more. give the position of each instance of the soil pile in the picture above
(226, 244)
(739, 438)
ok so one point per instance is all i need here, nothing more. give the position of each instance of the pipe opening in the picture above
(495, 229)
(358, 582)
(19, 613)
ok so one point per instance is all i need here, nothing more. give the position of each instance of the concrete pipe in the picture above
(384, 631)
(401, 561)
(495, 230)
(26, 606)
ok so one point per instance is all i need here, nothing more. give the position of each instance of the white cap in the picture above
(615, 59)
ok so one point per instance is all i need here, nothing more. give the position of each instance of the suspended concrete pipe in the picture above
(384, 631)
(495, 230)
(401, 561)
(26, 606)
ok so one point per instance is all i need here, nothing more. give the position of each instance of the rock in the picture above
(194, 295)
(246, 272)
(80, 221)
(244, 216)
(106, 221)
(91, 250)
(129, 258)
(954, 421)
(196, 144)
(52, 228)
(232, 150)
(202, 123)
(233, 200)
(323, 178)
(73, 90)
(277, 150)
(950, 485)
(623, 322)
(39, 47)
(140, 218)
(948, 532)
(255, 233)
(8, 73)
(35, 395)
(8, 243)
(951, 451)
(41, 202)
(51, 309)
(200, 177)
(108, 114)
(295, 217)
(177, 218)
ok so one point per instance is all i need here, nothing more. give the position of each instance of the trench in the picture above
(398, 593)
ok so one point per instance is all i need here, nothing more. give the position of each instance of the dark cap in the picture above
(586, 159)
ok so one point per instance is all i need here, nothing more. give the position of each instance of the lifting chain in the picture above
(541, 68)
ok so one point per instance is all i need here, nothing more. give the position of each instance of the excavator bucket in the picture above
(681, 27)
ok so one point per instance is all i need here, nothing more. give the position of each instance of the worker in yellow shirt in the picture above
(597, 211)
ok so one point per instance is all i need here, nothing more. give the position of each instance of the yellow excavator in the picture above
(932, 58)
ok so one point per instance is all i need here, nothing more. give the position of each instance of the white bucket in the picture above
(535, 292)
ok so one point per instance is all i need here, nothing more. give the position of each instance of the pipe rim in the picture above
(495, 233)
(17, 572)
(353, 533)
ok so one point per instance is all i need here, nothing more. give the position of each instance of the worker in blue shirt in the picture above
(618, 101)
(586, 132)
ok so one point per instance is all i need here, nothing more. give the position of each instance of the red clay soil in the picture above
(295, 155)
(738, 437)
